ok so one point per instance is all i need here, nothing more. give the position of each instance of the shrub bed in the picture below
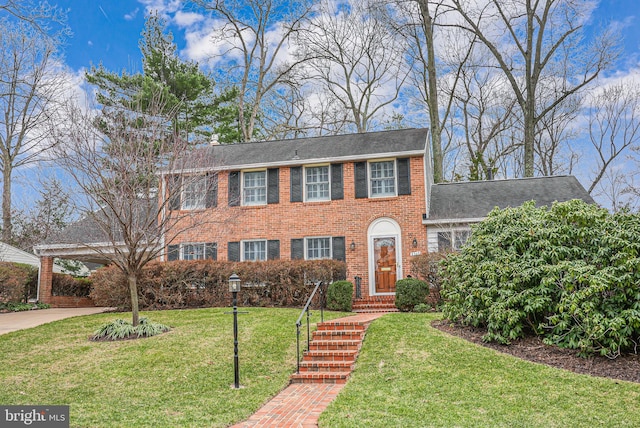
(204, 283)
(569, 273)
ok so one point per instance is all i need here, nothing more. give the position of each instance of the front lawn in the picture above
(409, 374)
(180, 378)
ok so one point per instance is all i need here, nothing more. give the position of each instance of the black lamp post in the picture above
(234, 287)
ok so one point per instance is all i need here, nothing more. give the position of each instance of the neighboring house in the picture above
(453, 207)
(12, 254)
(366, 199)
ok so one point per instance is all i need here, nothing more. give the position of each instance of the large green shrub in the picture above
(205, 283)
(340, 296)
(411, 292)
(569, 273)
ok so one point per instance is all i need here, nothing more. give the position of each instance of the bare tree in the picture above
(535, 40)
(254, 37)
(554, 133)
(353, 59)
(31, 88)
(614, 126)
(117, 167)
(437, 55)
(39, 15)
(486, 112)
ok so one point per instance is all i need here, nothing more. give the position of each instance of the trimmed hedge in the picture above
(411, 292)
(17, 281)
(205, 283)
(340, 296)
(569, 273)
(66, 285)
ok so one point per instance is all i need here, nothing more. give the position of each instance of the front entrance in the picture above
(386, 266)
(385, 256)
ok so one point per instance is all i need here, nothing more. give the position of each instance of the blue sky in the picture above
(108, 32)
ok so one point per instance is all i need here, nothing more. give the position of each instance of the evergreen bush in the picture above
(411, 292)
(569, 273)
(340, 296)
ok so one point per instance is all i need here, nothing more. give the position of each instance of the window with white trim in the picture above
(254, 187)
(317, 183)
(254, 250)
(453, 239)
(194, 193)
(192, 252)
(382, 178)
(318, 248)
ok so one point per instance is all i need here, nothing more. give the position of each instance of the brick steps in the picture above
(375, 304)
(333, 351)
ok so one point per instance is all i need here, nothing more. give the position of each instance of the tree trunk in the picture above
(6, 202)
(133, 289)
(434, 114)
(529, 138)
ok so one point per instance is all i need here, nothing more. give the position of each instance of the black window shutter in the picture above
(296, 183)
(273, 249)
(174, 183)
(337, 191)
(173, 253)
(360, 172)
(404, 176)
(337, 242)
(234, 188)
(297, 249)
(233, 252)
(273, 192)
(211, 251)
(212, 191)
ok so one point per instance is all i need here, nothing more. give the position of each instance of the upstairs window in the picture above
(317, 183)
(194, 193)
(382, 178)
(254, 188)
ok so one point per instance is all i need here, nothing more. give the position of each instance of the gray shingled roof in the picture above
(313, 149)
(476, 199)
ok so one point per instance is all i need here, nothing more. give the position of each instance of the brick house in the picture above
(366, 199)
(357, 198)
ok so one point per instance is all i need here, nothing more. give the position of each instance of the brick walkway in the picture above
(300, 404)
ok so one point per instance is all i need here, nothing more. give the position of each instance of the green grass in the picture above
(178, 379)
(411, 375)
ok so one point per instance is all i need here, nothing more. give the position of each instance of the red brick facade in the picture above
(349, 217)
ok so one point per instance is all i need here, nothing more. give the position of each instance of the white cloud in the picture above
(132, 15)
(187, 19)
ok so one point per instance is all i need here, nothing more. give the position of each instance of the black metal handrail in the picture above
(299, 322)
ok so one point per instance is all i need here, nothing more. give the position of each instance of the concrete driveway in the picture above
(13, 321)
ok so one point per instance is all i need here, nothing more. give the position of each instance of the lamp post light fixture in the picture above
(234, 287)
